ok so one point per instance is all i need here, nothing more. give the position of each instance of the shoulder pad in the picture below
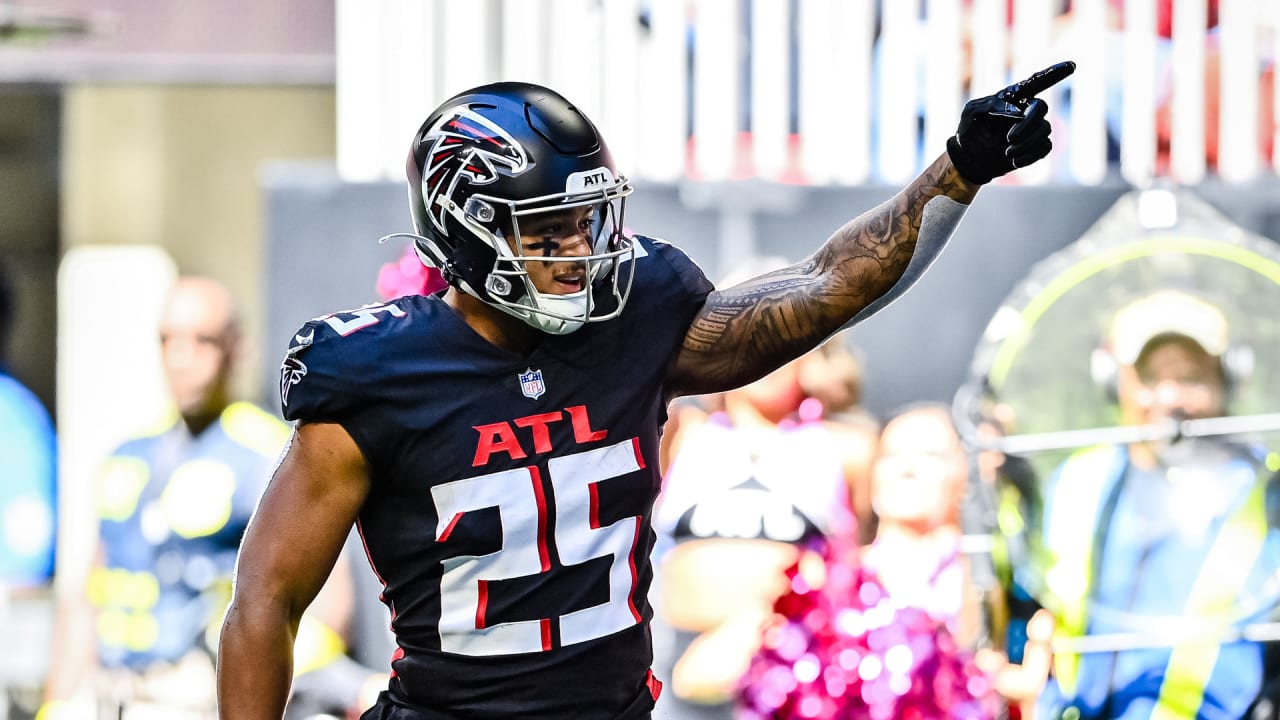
(321, 374)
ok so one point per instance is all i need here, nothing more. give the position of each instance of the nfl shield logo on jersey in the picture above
(531, 383)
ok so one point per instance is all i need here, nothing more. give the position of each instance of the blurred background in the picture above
(262, 142)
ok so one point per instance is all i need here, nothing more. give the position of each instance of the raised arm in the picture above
(288, 551)
(743, 332)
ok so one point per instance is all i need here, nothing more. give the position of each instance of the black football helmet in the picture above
(498, 153)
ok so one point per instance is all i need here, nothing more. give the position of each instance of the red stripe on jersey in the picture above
(631, 562)
(653, 683)
(397, 655)
(364, 544)
(545, 625)
(544, 554)
(635, 445)
(448, 530)
(482, 603)
(594, 505)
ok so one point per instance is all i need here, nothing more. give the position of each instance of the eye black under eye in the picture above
(547, 244)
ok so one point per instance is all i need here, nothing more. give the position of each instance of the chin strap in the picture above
(939, 219)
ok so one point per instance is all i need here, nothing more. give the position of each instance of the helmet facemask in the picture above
(494, 269)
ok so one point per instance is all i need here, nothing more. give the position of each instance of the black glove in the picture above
(1006, 131)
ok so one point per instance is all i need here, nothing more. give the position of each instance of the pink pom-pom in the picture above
(408, 276)
(845, 651)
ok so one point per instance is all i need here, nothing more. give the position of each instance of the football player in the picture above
(497, 444)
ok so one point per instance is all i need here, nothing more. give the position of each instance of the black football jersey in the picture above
(511, 493)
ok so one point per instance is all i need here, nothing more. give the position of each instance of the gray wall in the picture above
(29, 195)
(322, 255)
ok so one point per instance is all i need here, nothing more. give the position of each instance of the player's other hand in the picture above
(1006, 131)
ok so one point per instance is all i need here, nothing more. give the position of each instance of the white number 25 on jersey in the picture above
(517, 494)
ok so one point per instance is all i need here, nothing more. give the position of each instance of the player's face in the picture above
(1178, 378)
(566, 234)
(196, 344)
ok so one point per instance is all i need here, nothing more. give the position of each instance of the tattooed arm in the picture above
(745, 331)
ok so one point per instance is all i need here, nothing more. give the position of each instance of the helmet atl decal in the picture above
(464, 145)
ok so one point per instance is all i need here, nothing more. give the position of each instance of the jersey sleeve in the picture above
(692, 281)
(320, 377)
(342, 368)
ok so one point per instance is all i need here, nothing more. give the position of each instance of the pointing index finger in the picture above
(1041, 81)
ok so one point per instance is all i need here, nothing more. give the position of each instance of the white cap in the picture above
(1167, 312)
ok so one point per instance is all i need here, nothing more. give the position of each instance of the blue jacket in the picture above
(1128, 547)
(27, 487)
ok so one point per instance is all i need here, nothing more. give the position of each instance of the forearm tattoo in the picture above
(744, 332)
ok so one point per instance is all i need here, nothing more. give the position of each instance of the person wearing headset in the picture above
(1161, 535)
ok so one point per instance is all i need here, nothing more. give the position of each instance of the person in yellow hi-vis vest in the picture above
(172, 507)
(1164, 540)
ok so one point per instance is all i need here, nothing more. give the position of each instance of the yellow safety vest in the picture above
(1082, 485)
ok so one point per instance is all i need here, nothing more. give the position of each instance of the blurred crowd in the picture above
(814, 560)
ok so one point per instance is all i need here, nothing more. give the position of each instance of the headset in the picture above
(1165, 310)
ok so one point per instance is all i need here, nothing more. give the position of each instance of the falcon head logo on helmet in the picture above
(465, 146)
